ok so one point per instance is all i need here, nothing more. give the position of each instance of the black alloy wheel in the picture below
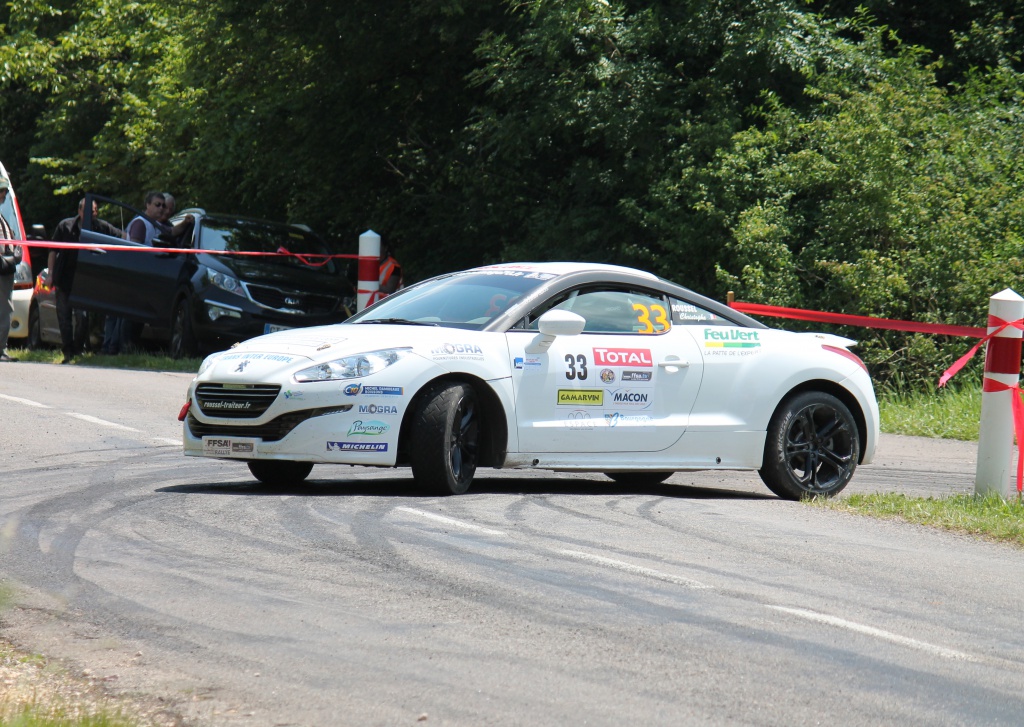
(445, 438)
(812, 447)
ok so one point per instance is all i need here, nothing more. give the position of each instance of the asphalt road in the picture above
(532, 600)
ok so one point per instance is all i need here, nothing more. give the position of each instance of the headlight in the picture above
(225, 282)
(352, 367)
(22, 274)
(207, 363)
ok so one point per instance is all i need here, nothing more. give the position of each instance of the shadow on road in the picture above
(407, 487)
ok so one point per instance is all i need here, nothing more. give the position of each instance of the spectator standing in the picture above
(145, 227)
(174, 234)
(390, 273)
(10, 256)
(61, 264)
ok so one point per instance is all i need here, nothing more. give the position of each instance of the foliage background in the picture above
(840, 156)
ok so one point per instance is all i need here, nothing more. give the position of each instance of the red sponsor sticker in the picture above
(623, 357)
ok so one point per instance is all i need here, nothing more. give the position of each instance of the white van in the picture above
(23, 281)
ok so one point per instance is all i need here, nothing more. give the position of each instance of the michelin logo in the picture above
(357, 446)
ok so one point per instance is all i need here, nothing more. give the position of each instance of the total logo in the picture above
(623, 357)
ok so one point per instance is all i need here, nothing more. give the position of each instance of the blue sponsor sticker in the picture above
(357, 446)
(381, 390)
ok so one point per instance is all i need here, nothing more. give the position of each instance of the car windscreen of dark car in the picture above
(468, 300)
(261, 237)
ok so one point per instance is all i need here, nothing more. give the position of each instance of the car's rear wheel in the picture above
(183, 339)
(35, 333)
(280, 472)
(639, 478)
(812, 447)
(445, 438)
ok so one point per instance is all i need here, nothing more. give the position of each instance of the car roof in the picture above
(565, 268)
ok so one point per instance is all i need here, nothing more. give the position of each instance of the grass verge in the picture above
(991, 517)
(142, 360)
(37, 693)
(948, 413)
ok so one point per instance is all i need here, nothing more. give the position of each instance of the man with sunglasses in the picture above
(10, 257)
(146, 226)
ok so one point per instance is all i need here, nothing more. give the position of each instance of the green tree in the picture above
(891, 196)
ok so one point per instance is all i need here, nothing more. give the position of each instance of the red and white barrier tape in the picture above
(310, 259)
(802, 314)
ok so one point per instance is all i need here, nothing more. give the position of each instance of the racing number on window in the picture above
(577, 367)
(660, 323)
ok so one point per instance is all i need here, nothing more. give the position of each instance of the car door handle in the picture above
(676, 364)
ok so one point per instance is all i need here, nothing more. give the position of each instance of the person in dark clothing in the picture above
(62, 263)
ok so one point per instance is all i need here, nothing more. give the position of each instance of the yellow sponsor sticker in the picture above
(581, 397)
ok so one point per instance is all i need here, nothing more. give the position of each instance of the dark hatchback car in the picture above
(201, 302)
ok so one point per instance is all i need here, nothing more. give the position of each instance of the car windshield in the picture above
(467, 300)
(254, 236)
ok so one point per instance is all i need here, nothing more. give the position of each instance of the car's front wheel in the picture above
(183, 339)
(445, 438)
(277, 472)
(812, 447)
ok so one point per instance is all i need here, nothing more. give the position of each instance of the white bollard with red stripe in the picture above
(369, 269)
(1002, 370)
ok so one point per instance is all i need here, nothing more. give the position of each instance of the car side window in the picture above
(688, 314)
(112, 219)
(612, 310)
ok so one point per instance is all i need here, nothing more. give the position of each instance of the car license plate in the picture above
(241, 447)
(274, 328)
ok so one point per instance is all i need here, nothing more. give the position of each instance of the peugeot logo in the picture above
(241, 366)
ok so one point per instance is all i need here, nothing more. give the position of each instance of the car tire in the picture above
(812, 447)
(35, 333)
(183, 339)
(445, 435)
(277, 472)
(639, 478)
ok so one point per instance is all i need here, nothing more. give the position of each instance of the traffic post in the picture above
(368, 287)
(999, 389)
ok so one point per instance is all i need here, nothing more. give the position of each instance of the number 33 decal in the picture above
(644, 313)
(577, 367)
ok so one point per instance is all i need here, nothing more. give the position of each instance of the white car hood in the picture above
(265, 357)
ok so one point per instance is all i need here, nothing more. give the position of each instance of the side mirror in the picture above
(561, 323)
(555, 323)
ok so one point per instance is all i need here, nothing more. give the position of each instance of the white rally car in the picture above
(559, 366)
